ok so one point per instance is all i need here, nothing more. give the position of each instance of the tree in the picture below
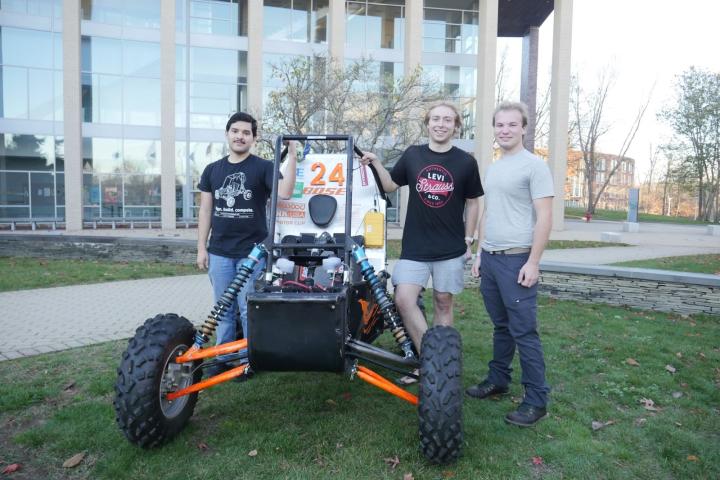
(695, 117)
(589, 126)
(318, 96)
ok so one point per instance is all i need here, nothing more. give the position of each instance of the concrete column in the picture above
(254, 58)
(167, 114)
(485, 94)
(413, 35)
(559, 104)
(336, 31)
(528, 82)
(412, 58)
(72, 115)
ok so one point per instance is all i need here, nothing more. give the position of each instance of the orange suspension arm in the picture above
(198, 353)
(210, 382)
(383, 383)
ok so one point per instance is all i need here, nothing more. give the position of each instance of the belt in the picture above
(509, 251)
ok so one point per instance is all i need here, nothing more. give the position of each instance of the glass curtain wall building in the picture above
(31, 107)
(121, 76)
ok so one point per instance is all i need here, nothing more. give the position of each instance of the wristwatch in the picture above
(469, 240)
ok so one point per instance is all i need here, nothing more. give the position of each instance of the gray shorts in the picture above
(447, 275)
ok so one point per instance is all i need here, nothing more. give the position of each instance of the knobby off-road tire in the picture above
(440, 396)
(147, 373)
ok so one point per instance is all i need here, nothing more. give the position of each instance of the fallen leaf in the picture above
(392, 462)
(678, 354)
(12, 468)
(648, 404)
(202, 446)
(598, 425)
(692, 458)
(252, 453)
(677, 395)
(633, 362)
(69, 386)
(74, 461)
(702, 355)
(408, 476)
(331, 402)
(670, 368)
(537, 460)
(640, 422)
(448, 474)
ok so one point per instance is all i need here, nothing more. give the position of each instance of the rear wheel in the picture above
(148, 373)
(440, 395)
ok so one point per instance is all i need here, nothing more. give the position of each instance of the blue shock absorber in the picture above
(226, 300)
(382, 297)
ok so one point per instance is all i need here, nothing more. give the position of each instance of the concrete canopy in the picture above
(516, 16)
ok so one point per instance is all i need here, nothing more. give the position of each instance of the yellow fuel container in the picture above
(374, 229)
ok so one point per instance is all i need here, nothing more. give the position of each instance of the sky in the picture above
(644, 43)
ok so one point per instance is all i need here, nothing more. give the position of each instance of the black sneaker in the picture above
(526, 415)
(486, 389)
(249, 373)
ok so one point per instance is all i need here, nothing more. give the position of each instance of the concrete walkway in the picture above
(51, 319)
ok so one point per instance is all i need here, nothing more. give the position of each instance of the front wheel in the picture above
(148, 373)
(440, 395)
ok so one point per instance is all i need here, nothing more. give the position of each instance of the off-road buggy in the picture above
(322, 302)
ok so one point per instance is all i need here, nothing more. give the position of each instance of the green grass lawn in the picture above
(621, 216)
(317, 426)
(393, 246)
(20, 273)
(687, 263)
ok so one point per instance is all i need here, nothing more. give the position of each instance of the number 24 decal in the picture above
(336, 175)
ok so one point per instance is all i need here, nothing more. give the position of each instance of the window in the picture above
(120, 81)
(296, 20)
(217, 17)
(29, 184)
(29, 87)
(450, 26)
(131, 13)
(218, 87)
(375, 24)
(121, 178)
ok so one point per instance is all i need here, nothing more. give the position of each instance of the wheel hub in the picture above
(176, 376)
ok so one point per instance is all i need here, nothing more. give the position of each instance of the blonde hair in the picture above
(444, 103)
(517, 106)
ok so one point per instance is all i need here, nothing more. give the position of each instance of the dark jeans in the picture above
(513, 311)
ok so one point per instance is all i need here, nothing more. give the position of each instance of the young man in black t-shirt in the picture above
(233, 197)
(444, 182)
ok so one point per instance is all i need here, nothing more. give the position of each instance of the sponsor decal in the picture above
(324, 190)
(298, 189)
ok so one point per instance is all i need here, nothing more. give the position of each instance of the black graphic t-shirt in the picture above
(240, 192)
(439, 184)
